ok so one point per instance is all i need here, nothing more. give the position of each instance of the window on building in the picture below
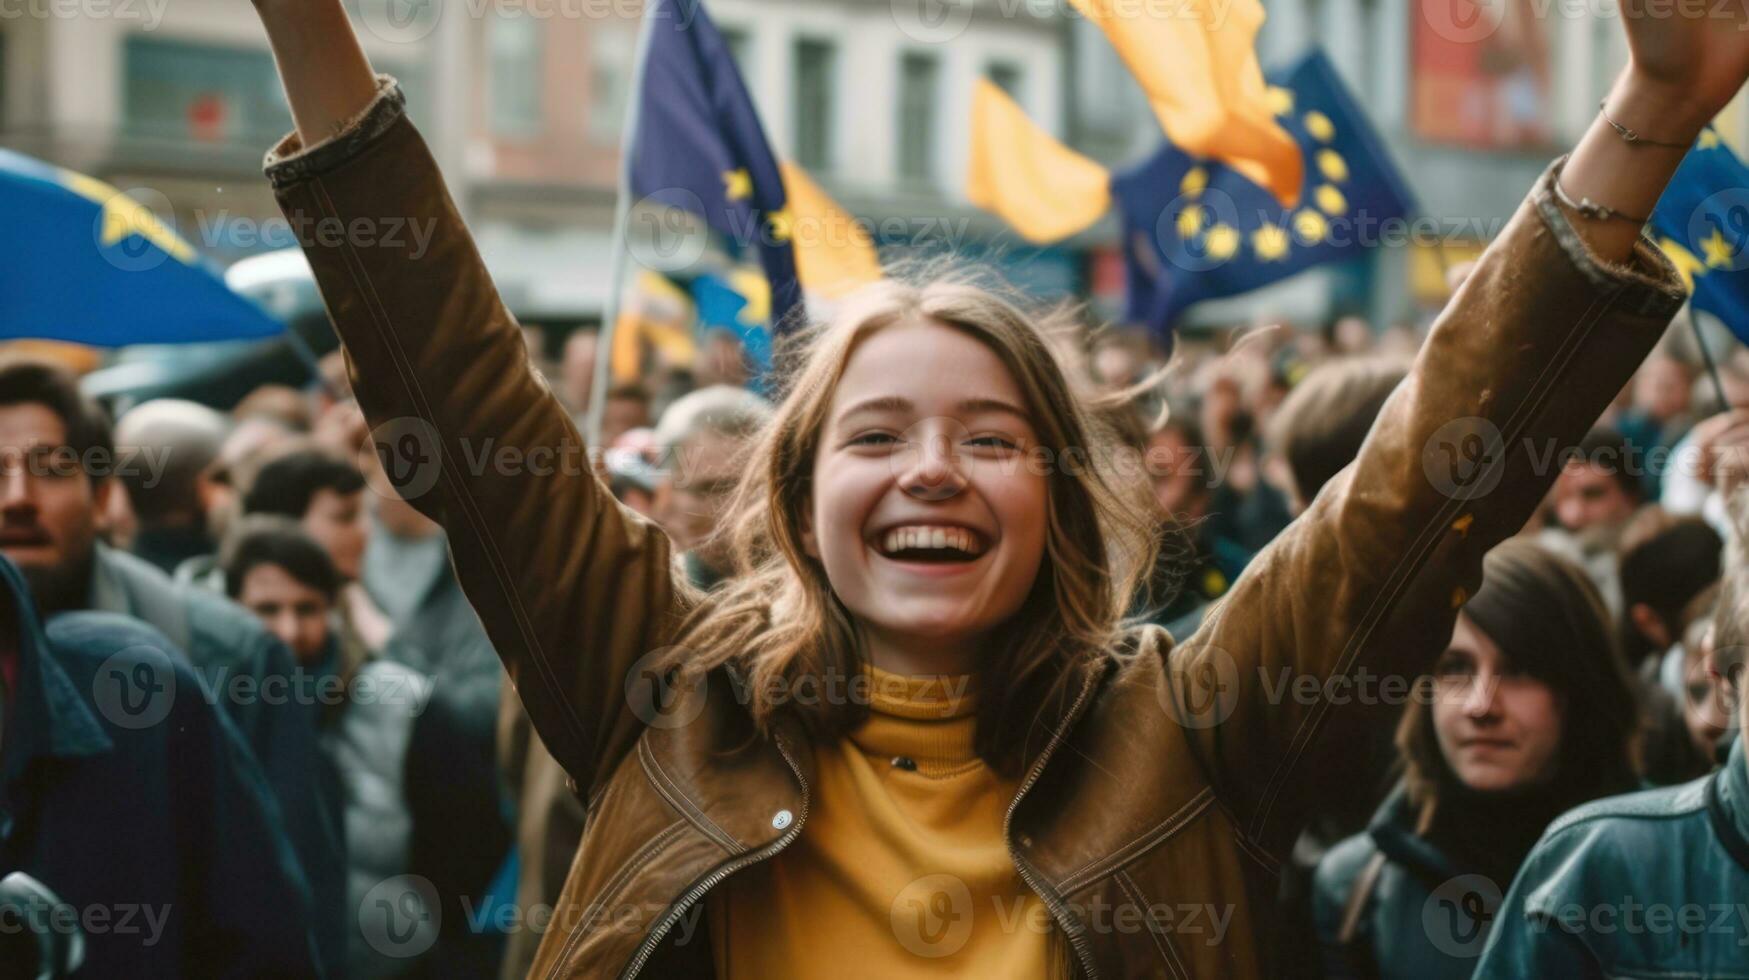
(919, 76)
(611, 50)
(1010, 78)
(514, 75)
(183, 90)
(815, 64)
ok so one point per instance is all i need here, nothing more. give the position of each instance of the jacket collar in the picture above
(1728, 804)
(130, 586)
(50, 716)
(1392, 829)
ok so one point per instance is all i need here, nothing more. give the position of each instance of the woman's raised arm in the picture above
(572, 588)
(327, 78)
(1322, 638)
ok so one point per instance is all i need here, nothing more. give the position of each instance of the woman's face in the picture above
(927, 514)
(1498, 727)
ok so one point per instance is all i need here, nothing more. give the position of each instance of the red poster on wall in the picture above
(1481, 73)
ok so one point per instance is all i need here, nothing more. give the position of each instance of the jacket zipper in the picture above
(711, 880)
(1059, 911)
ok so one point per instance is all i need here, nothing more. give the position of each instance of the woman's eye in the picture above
(1452, 667)
(994, 442)
(873, 439)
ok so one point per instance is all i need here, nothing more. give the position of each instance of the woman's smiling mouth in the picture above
(938, 545)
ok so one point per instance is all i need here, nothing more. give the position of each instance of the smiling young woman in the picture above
(1092, 776)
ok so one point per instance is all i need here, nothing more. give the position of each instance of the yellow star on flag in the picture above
(1685, 261)
(1320, 126)
(124, 216)
(751, 284)
(1310, 227)
(1223, 242)
(1332, 166)
(1270, 242)
(1708, 139)
(1195, 180)
(782, 224)
(1330, 200)
(1719, 253)
(1190, 221)
(737, 184)
(1281, 100)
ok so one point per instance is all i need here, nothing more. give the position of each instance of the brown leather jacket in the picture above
(1177, 777)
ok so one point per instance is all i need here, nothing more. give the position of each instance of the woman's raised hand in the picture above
(1689, 58)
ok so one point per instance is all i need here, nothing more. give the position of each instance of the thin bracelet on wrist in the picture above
(1632, 137)
(1587, 208)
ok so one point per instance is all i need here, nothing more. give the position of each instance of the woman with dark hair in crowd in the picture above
(1528, 713)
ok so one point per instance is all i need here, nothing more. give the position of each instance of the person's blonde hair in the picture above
(777, 618)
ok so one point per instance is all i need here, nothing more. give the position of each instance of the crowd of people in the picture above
(265, 542)
(989, 643)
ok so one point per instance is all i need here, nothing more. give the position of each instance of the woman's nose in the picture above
(1479, 699)
(932, 470)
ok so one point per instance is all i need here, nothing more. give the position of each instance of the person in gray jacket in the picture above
(1648, 884)
(365, 705)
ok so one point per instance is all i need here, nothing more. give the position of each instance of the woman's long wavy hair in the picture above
(778, 620)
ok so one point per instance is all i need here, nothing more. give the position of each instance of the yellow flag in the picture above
(834, 254)
(1197, 62)
(1045, 190)
(654, 313)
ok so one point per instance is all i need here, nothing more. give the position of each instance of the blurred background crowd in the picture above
(265, 539)
(275, 516)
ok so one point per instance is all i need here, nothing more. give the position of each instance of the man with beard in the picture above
(57, 474)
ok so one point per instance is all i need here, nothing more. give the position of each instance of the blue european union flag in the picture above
(1196, 229)
(698, 145)
(89, 264)
(1702, 224)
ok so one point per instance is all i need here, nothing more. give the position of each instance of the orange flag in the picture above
(834, 254)
(1043, 189)
(1197, 62)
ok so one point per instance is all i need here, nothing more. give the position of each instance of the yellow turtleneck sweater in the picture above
(900, 870)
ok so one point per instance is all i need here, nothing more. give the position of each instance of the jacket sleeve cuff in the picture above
(291, 162)
(1647, 283)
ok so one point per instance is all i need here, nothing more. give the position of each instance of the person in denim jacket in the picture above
(1648, 884)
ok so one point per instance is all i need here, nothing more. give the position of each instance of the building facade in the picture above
(523, 102)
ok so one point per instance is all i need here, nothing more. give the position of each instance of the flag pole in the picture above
(621, 222)
(1706, 356)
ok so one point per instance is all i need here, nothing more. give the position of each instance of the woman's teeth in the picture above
(932, 538)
